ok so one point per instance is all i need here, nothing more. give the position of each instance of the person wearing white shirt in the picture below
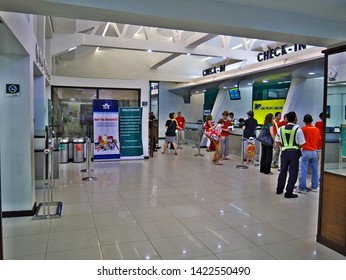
(291, 138)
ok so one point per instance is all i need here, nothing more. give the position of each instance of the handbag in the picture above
(265, 138)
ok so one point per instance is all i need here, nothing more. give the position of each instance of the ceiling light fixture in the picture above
(71, 49)
(311, 73)
(265, 81)
(150, 51)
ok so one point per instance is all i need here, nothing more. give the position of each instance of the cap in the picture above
(250, 113)
(225, 113)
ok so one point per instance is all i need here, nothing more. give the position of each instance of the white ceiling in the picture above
(123, 48)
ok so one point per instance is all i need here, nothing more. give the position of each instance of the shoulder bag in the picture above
(265, 138)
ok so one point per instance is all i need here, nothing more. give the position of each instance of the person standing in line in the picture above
(267, 151)
(249, 128)
(319, 125)
(275, 161)
(181, 124)
(233, 119)
(171, 126)
(209, 127)
(291, 138)
(225, 139)
(309, 156)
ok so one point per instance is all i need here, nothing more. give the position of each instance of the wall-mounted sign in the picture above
(214, 70)
(12, 89)
(262, 107)
(279, 51)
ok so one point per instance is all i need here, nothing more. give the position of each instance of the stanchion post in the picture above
(88, 154)
(200, 133)
(242, 166)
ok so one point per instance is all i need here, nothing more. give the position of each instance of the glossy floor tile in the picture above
(169, 207)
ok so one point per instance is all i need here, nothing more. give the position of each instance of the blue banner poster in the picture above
(131, 145)
(106, 130)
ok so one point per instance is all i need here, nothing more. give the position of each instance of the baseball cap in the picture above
(250, 113)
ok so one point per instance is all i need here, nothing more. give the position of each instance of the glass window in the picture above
(73, 108)
(126, 97)
(335, 115)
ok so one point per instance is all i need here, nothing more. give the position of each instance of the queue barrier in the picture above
(49, 208)
(88, 162)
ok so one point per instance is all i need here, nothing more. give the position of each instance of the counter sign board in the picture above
(12, 89)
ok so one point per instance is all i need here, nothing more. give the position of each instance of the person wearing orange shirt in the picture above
(309, 156)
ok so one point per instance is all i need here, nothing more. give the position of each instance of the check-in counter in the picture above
(236, 138)
(332, 145)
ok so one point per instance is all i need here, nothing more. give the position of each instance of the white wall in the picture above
(16, 126)
(113, 83)
(238, 107)
(308, 99)
(170, 102)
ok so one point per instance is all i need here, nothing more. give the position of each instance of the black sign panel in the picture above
(12, 88)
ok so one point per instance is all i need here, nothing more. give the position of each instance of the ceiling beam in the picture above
(62, 43)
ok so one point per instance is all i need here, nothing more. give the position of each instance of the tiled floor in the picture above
(169, 207)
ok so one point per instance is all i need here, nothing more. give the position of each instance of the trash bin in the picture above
(63, 150)
(78, 149)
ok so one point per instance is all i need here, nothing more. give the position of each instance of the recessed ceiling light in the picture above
(188, 53)
(311, 73)
(150, 51)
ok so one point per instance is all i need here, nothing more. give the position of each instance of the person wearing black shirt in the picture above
(171, 126)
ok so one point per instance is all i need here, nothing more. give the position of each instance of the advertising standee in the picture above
(106, 129)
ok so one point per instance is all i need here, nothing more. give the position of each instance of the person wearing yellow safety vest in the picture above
(276, 154)
(291, 138)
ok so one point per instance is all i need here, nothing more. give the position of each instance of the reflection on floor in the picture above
(170, 207)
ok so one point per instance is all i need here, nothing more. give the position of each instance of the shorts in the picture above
(172, 139)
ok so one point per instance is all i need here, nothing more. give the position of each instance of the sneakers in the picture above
(274, 166)
(314, 190)
(304, 191)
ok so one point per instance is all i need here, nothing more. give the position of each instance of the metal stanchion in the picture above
(179, 136)
(198, 144)
(88, 168)
(242, 166)
(259, 156)
(48, 208)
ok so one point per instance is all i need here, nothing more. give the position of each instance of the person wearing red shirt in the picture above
(319, 125)
(181, 123)
(309, 156)
(225, 133)
(214, 137)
